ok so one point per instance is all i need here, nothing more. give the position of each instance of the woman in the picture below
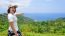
(13, 28)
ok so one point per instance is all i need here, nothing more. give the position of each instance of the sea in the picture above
(44, 16)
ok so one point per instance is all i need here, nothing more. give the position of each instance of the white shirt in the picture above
(12, 17)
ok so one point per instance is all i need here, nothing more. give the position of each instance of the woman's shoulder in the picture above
(10, 14)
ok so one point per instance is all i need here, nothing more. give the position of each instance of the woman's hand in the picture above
(12, 26)
(16, 34)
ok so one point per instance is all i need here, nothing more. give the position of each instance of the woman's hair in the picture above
(8, 11)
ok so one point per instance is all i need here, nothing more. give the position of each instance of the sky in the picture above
(35, 6)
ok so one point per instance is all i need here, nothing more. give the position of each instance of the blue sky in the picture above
(36, 6)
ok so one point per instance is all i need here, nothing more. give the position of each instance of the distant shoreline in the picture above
(42, 16)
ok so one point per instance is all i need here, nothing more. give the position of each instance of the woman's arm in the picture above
(12, 26)
(17, 14)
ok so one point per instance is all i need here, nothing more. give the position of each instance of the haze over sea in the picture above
(44, 16)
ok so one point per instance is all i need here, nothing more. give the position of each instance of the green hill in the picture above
(4, 21)
(29, 26)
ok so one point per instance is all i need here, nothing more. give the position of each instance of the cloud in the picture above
(20, 3)
(3, 3)
(24, 3)
(42, 7)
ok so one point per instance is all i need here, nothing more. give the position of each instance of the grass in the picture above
(44, 34)
(4, 33)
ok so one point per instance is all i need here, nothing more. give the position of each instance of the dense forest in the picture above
(29, 25)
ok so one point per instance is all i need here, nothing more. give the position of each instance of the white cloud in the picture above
(25, 3)
(20, 3)
(3, 3)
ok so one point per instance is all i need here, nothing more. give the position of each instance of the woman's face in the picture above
(12, 10)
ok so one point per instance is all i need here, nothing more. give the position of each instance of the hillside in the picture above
(29, 26)
(4, 21)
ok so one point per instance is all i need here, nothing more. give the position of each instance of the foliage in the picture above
(29, 25)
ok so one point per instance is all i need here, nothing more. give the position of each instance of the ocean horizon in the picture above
(44, 16)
